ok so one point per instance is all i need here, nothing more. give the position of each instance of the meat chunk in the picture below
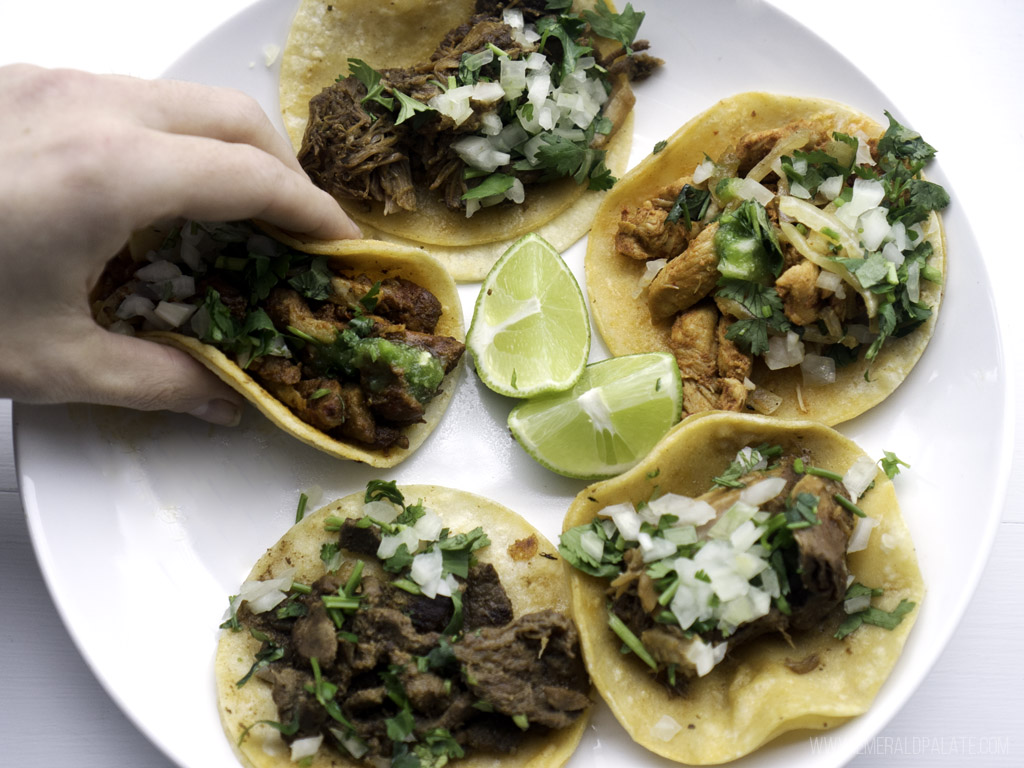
(687, 278)
(801, 297)
(531, 667)
(315, 636)
(733, 363)
(645, 232)
(693, 340)
(484, 602)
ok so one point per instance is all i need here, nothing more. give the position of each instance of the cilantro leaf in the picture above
(901, 143)
(891, 464)
(495, 184)
(764, 305)
(571, 549)
(691, 204)
(315, 282)
(371, 79)
(384, 489)
(409, 107)
(616, 26)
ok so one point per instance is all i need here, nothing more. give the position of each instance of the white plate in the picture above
(145, 523)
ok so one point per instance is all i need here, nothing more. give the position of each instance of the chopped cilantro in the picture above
(371, 79)
(765, 307)
(615, 26)
(691, 204)
(891, 464)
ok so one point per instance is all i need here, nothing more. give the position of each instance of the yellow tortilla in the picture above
(377, 260)
(325, 33)
(528, 565)
(752, 697)
(623, 319)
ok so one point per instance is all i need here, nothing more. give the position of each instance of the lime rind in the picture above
(530, 333)
(610, 419)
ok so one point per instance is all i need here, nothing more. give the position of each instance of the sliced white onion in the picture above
(914, 281)
(748, 189)
(859, 476)
(783, 146)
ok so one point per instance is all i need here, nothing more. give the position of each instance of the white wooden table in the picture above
(961, 79)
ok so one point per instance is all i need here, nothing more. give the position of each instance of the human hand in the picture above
(85, 160)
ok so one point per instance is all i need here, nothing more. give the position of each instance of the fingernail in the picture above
(221, 412)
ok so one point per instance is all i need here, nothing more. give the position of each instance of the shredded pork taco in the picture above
(786, 250)
(461, 125)
(405, 626)
(751, 577)
(354, 347)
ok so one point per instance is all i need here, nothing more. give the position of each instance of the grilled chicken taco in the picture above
(352, 346)
(785, 249)
(404, 626)
(460, 124)
(759, 573)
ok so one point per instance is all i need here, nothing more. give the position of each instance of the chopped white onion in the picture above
(592, 545)
(784, 351)
(266, 594)
(688, 511)
(764, 401)
(477, 152)
(306, 747)
(873, 226)
(703, 171)
(381, 510)
(764, 490)
(859, 476)
(914, 281)
(626, 520)
(857, 604)
(831, 187)
(867, 194)
(429, 525)
(390, 543)
(749, 189)
(665, 729)
(654, 547)
(158, 272)
(426, 571)
(861, 534)
(818, 370)
(174, 313)
(830, 281)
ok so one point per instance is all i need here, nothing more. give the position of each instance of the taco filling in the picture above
(516, 96)
(799, 251)
(690, 580)
(403, 648)
(353, 357)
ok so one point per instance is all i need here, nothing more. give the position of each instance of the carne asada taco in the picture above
(785, 249)
(404, 626)
(352, 346)
(759, 572)
(462, 125)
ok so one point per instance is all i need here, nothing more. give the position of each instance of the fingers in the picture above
(113, 369)
(207, 179)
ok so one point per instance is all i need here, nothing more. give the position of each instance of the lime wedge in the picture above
(530, 332)
(607, 422)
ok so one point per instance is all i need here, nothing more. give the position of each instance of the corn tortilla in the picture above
(753, 696)
(530, 570)
(622, 317)
(324, 34)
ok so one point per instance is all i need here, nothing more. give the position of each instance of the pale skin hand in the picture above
(84, 161)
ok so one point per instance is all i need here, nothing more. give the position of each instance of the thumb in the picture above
(114, 369)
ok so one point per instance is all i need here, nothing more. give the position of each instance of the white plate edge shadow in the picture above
(861, 730)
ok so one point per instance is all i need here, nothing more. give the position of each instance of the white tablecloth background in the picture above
(955, 69)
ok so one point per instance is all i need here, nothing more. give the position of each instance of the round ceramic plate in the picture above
(145, 523)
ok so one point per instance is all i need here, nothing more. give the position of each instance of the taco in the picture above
(461, 125)
(390, 628)
(354, 347)
(785, 249)
(735, 565)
